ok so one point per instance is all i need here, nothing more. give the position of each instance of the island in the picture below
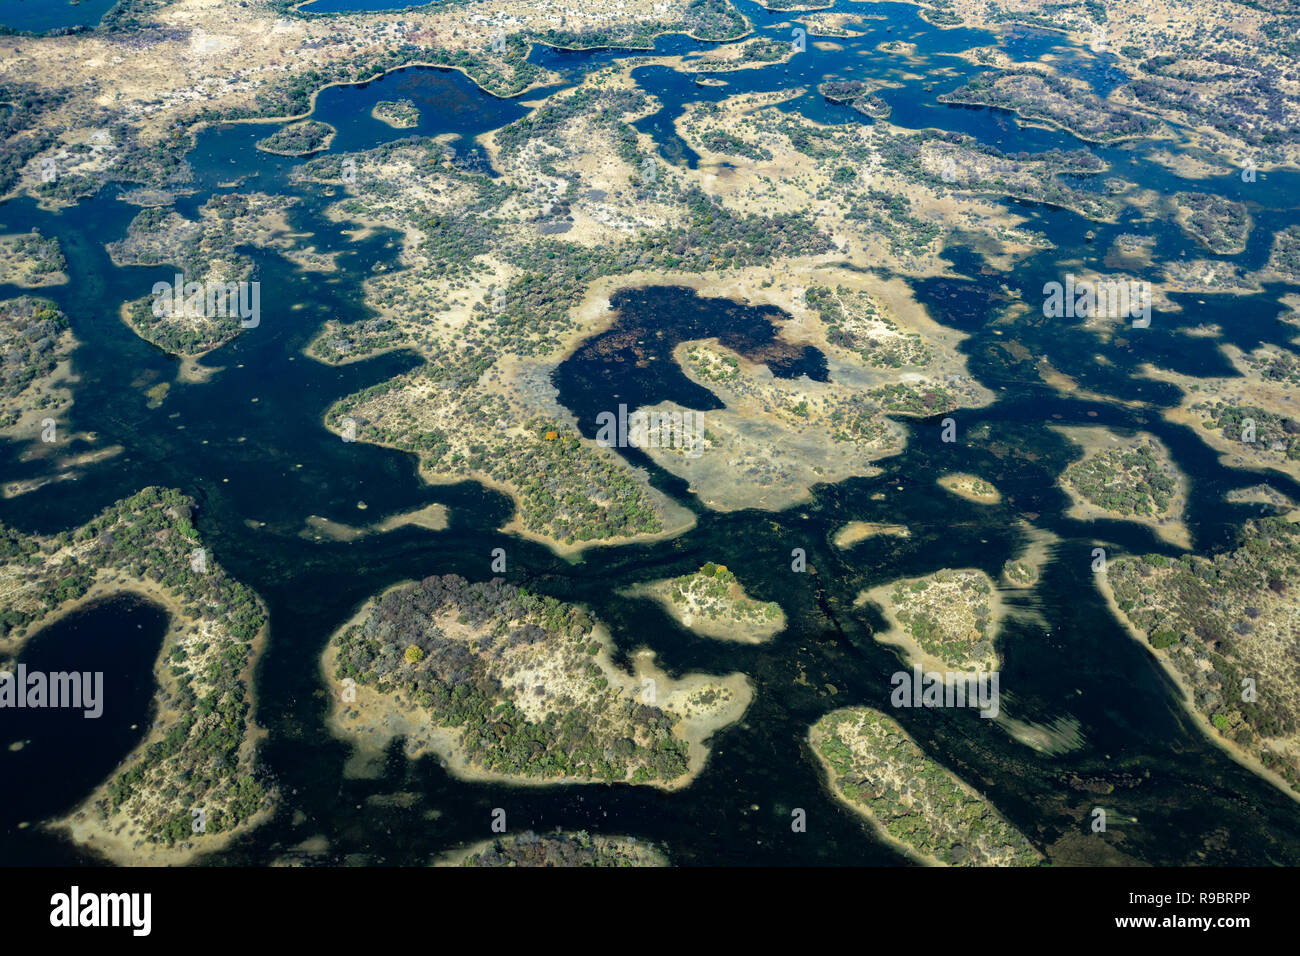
(856, 94)
(1132, 477)
(945, 621)
(1022, 570)
(971, 487)
(1260, 494)
(299, 139)
(512, 686)
(201, 750)
(399, 114)
(577, 848)
(856, 531)
(1019, 573)
(912, 801)
(712, 602)
(1223, 628)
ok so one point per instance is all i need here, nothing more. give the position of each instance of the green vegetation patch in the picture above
(1127, 481)
(400, 114)
(578, 848)
(1224, 621)
(203, 759)
(298, 139)
(880, 771)
(476, 640)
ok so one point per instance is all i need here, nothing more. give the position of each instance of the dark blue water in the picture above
(39, 16)
(50, 759)
(632, 362)
(448, 101)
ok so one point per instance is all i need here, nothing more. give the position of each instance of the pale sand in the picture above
(856, 531)
(431, 517)
(1070, 386)
(963, 486)
(896, 636)
(1232, 749)
(67, 469)
(1060, 736)
(190, 372)
(734, 631)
